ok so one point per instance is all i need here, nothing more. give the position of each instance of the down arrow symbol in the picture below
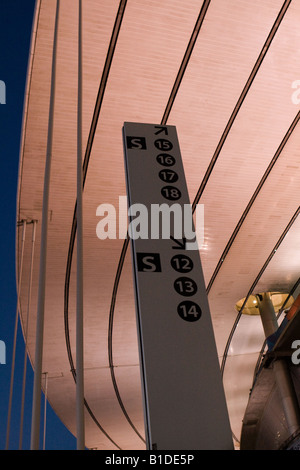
(180, 244)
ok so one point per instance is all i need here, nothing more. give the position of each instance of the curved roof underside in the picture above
(222, 73)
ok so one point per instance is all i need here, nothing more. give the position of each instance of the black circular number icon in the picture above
(182, 263)
(185, 286)
(165, 159)
(168, 176)
(171, 193)
(163, 144)
(189, 311)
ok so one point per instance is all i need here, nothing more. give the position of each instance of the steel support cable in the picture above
(185, 60)
(34, 222)
(241, 99)
(37, 384)
(110, 328)
(168, 108)
(45, 410)
(253, 198)
(80, 421)
(19, 283)
(35, 22)
(101, 90)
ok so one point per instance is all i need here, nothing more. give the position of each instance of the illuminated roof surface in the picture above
(236, 115)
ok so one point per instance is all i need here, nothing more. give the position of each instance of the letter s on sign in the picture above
(136, 143)
(149, 263)
(296, 354)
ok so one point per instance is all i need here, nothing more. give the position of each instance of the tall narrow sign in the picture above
(184, 400)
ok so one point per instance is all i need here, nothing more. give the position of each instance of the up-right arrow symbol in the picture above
(161, 129)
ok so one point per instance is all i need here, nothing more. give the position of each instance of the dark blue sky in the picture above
(15, 31)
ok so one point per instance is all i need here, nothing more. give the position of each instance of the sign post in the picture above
(184, 400)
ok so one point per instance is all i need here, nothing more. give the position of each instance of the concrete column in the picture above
(267, 312)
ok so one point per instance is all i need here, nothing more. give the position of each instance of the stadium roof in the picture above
(225, 74)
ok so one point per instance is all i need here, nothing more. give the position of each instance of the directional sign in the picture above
(184, 400)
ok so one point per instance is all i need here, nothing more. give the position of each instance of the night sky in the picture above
(15, 32)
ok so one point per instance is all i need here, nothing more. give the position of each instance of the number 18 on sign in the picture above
(183, 395)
